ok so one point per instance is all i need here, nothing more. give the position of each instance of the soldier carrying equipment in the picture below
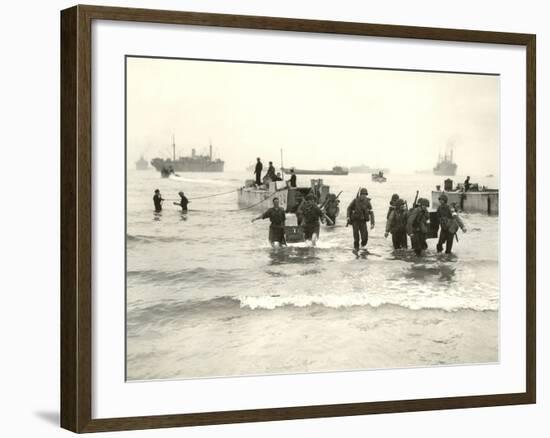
(417, 225)
(397, 225)
(360, 212)
(449, 223)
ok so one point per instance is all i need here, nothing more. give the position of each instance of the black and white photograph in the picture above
(286, 218)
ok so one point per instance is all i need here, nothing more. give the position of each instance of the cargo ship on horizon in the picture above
(445, 165)
(194, 163)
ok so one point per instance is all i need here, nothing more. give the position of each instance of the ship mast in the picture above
(210, 140)
(174, 147)
(282, 166)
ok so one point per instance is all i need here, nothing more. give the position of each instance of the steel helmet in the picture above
(424, 202)
(443, 197)
(394, 197)
(363, 191)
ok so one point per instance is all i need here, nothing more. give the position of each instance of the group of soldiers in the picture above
(309, 214)
(401, 222)
(271, 174)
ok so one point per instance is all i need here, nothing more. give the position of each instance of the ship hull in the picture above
(317, 172)
(188, 165)
(445, 172)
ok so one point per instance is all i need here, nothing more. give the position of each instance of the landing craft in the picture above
(290, 198)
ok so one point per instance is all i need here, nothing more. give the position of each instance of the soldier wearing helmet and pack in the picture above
(310, 215)
(359, 213)
(397, 225)
(417, 226)
(449, 223)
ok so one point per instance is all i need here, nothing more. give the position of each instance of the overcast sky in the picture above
(320, 116)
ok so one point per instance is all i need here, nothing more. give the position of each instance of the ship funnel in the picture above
(193, 152)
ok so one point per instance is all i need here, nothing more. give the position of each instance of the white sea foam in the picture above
(449, 304)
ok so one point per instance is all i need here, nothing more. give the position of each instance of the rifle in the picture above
(415, 200)
(326, 200)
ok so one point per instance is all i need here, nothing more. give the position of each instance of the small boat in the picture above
(336, 170)
(378, 177)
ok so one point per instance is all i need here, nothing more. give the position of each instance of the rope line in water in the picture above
(257, 203)
(226, 193)
(203, 197)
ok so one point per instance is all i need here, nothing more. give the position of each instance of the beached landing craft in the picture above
(476, 200)
(261, 198)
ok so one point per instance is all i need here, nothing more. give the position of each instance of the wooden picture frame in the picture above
(76, 218)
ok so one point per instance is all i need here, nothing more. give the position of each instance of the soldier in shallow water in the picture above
(397, 225)
(183, 202)
(311, 215)
(359, 213)
(417, 226)
(277, 217)
(157, 200)
(449, 222)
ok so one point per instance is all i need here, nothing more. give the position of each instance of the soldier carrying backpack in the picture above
(397, 225)
(359, 213)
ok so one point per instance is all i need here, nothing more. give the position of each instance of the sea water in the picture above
(213, 260)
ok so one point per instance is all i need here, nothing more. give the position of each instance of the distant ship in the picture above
(445, 165)
(336, 170)
(142, 164)
(367, 169)
(194, 163)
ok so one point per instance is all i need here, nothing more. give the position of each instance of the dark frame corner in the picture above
(76, 220)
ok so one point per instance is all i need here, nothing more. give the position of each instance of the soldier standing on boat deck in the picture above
(277, 217)
(258, 171)
(359, 213)
(292, 178)
(157, 200)
(270, 172)
(449, 223)
(417, 226)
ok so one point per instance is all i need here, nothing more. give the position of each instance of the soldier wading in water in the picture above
(449, 223)
(417, 226)
(359, 213)
(397, 225)
(277, 217)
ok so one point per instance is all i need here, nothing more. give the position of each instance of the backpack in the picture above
(310, 213)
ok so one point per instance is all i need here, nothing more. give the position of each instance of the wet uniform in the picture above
(449, 227)
(397, 226)
(277, 228)
(157, 200)
(311, 214)
(359, 213)
(417, 227)
(183, 203)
